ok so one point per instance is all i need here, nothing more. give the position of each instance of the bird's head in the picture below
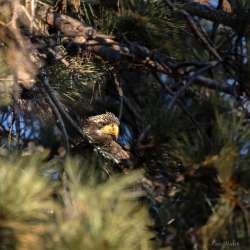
(102, 128)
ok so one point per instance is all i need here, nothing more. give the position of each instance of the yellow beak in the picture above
(110, 129)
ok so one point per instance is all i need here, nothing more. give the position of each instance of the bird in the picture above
(102, 131)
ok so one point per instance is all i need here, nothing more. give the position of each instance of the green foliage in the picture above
(107, 217)
(25, 203)
(196, 155)
(18, 200)
(222, 129)
(103, 215)
(6, 82)
(150, 23)
(79, 78)
(206, 170)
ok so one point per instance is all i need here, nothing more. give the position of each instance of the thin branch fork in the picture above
(203, 39)
(188, 84)
(59, 118)
(60, 107)
(181, 105)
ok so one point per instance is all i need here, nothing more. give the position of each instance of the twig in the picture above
(10, 131)
(200, 35)
(132, 109)
(214, 84)
(59, 118)
(59, 57)
(16, 113)
(121, 95)
(188, 84)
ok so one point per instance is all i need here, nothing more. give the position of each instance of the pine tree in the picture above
(174, 75)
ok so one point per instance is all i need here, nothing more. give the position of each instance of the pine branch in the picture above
(115, 52)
